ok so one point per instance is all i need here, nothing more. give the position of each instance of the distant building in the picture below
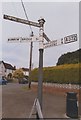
(6, 69)
(25, 71)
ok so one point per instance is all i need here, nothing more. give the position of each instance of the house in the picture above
(6, 69)
(25, 71)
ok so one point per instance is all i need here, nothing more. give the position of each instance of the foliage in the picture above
(70, 58)
(68, 73)
(18, 74)
(34, 75)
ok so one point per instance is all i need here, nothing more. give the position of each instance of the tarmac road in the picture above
(17, 102)
(0, 102)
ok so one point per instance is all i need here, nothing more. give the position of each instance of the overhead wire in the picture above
(31, 46)
(26, 16)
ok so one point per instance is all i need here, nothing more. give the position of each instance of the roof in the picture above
(25, 69)
(8, 66)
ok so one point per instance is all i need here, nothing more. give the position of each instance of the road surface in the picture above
(17, 102)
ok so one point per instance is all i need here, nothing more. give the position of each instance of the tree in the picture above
(18, 74)
(70, 58)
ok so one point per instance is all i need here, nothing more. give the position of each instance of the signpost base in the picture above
(36, 110)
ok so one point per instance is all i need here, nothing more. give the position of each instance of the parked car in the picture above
(23, 81)
(3, 81)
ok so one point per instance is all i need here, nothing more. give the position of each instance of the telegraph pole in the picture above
(30, 63)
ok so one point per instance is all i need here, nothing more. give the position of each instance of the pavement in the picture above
(17, 102)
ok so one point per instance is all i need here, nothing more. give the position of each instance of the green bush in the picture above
(69, 73)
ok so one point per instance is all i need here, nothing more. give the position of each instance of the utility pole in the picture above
(30, 63)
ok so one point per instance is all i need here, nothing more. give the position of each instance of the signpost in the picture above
(42, 46)
(41, 31)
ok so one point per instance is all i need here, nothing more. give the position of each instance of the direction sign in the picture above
(70, 38)
(21, 20)
(65, 40)
(24, 39)
(53, 43)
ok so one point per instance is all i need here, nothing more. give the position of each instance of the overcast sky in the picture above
(62, 19)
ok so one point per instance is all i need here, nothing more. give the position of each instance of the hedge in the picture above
(69, 73)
